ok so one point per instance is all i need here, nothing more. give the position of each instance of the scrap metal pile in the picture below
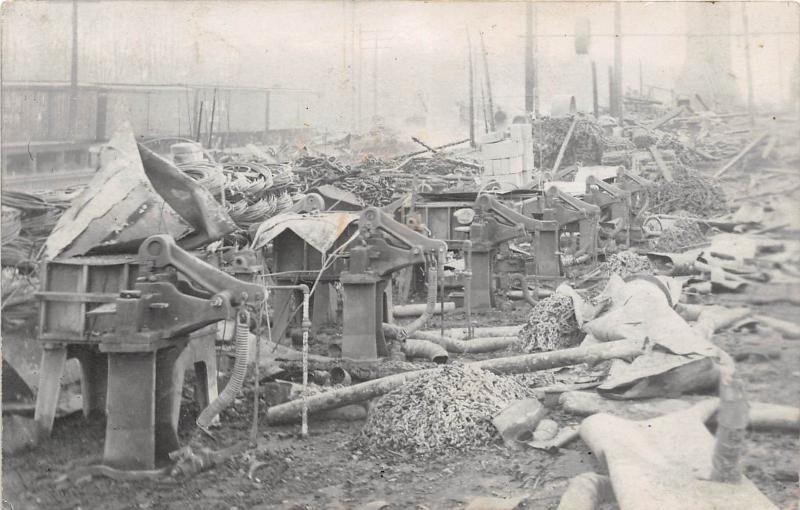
(681, 235)
(451, 407)
(587, 144)
(551, 325)
(689, 192)
(251, 191)
(626, 263)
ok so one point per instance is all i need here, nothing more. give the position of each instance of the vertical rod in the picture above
(641, 80)
(213, 113)
(471, 94)
(595, 106)
(612, 107)
(746, 28)
(535, 42)
(490, 104)
(375, 78)
(483, 108)
(618, 61)
(199, 121)
(440, 278)
(529, 58)
(360, 75)
(73, 75)
(306, 325)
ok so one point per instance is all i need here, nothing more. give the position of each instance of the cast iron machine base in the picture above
(383, 246)
(146, 348)
(495, 224)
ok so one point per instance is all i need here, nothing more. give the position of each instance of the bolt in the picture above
(216, 301)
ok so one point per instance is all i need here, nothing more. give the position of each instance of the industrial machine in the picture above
(495, 224)
(615, 207)
(638, 188)
(576, 220)
(383, 246)
(133, 347)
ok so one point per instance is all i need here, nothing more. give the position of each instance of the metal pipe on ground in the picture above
(424, 349)
(472, 346)
(485, 332)
(291, 411)
(415, 310)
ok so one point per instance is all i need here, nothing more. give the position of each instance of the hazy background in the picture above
(313, 50)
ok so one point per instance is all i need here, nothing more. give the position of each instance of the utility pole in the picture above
(612, 97)
(73, 75)
(641, 80)
(360, 80)
(490, 103)
(535, 42)
(375, 79)
(375, 48)
(595, 106)
(529, 69)
(749, 69)
(617, 112)
(471, 94)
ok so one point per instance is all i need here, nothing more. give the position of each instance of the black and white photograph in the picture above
(400, 254)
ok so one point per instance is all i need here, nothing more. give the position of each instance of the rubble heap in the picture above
(690, 192)
(451, 408)
(627, 263)
(681, 235)
(587, 144)
(551, 325)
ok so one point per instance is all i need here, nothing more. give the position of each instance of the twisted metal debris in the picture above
(680, 236)
(551, 325)
(626, 263)
(451, 408)
(690, 192)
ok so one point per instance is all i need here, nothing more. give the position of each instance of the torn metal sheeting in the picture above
(318, 230)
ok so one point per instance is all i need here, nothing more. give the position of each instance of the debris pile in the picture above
(587, 143)
(689, 192)
(452, 407)
(680, 236)
(551, 325)
(27, 221)
(627, 263)
(250, 191)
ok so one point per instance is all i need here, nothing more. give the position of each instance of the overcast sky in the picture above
(422, 51)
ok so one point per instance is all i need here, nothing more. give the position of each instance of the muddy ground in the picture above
(325, 471)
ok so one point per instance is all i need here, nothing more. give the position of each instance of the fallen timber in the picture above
(290, 412)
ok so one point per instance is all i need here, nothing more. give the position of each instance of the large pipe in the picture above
(467, 246)
(415, 310)
(473, 346)
(426, 350)
(430, 303)
(485, 332)
(291, 411)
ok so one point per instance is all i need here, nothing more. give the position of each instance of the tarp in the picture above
(320, 230)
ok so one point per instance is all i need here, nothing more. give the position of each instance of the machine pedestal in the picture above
(481, 290)
(364, 312)
(139, 391)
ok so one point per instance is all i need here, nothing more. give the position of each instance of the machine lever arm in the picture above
(162, 251)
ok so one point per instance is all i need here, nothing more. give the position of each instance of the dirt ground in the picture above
(324, 471)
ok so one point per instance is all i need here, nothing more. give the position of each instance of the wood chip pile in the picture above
(451, 408)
